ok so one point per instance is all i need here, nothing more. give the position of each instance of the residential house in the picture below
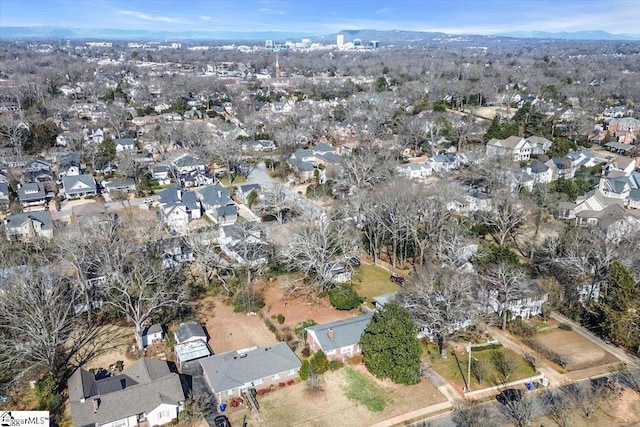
(125, 144)
(4, 195)
(152, 334)
(541, 173)
(127, 185)
(79, 185)
(539, 144)
(620, 148)
(261, 145)
(147, 393)
(28, 226)
(178, 207)
(186, 163)
(32, 195)
(528, 305)
(626, 124)
(243, 246)
(617, 112)
(381, 300)
(68, 164)
(303, 162)
(516, 147)
(38, 170)
(339, 340)
(415, 170)
(217, 204)
(243, 192)
(162, 174)
(233, 373)
(584, 158)
(444, 163)
(622, 164)
(561, 168)
(175, 252)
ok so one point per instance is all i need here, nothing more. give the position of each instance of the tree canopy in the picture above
(390, 346)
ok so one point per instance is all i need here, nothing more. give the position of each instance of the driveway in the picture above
(199, 385)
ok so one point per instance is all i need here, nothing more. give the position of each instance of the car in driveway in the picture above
(355, 261)
(398, 279)
(510, 395)
(221, 421)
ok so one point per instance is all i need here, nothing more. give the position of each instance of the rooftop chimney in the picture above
(330, 333)
(96, 404)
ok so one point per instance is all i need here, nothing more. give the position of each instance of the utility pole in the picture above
(469, 367)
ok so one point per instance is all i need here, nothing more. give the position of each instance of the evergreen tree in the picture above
(390, 347)
(619, 307)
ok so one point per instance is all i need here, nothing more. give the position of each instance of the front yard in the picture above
(294, 406)
(491, 365)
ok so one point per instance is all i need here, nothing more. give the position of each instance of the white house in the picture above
(145, 393)
(152, 333)
(516, 147)
(339, 340)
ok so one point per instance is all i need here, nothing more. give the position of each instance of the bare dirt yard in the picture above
(579, 352)
(299, 308)
(118, 340)
(231, 331)
(294, 406)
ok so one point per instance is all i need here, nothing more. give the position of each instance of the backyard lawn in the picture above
(371, 281)
(515, 365)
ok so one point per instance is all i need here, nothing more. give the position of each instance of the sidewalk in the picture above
(403, 419)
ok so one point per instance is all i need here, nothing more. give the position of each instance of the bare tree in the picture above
(504, 284)
(504, 218)
(278, 202)
(440, 302)
(362, 170)
(40, 331)
(317, 245)
(557, 406)
(519, 411)
(473, 413)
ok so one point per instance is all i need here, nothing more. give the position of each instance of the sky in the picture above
(329, 16)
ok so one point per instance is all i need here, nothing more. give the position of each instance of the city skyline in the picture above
(328, 16)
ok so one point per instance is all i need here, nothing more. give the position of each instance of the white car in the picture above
(148, 200)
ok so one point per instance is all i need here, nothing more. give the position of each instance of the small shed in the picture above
(190, 332)
(152, 334)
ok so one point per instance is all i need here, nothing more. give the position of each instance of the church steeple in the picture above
(277, 67)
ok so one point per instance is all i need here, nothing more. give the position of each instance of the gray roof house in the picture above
(232, 373)
(217, 204)
(4, 193)
(32, 194)
(146, 393)
(243, 191)
(79, 185)
(339, 339)
(126, 184)
(189, 332)
(123, 144)
(27, 226)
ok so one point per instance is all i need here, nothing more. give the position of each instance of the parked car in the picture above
(398, 279)
(355, 261)
(221, 421)
(510, 395)
(148, 200)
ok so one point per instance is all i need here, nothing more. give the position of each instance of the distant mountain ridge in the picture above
(388, 36)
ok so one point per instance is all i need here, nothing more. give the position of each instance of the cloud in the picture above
(384, 11)
(147, 17)
(271, 11)
(205, 18)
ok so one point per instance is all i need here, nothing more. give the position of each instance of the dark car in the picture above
(221, 421)
(509, 395)
(398, 279)
(355, 261)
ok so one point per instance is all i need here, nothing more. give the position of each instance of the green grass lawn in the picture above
(370, 281)
(449, 369)
(362, 390)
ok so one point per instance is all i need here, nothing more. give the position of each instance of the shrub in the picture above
(518, 327)
(280, 318)
(290, 382)
(344, 297)
(355, 360)
(306, 351)
(301, 326)
(565, 327)
(281, 385)
(320, 362)
(263, 391)
(334, 365)
(305, 370)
